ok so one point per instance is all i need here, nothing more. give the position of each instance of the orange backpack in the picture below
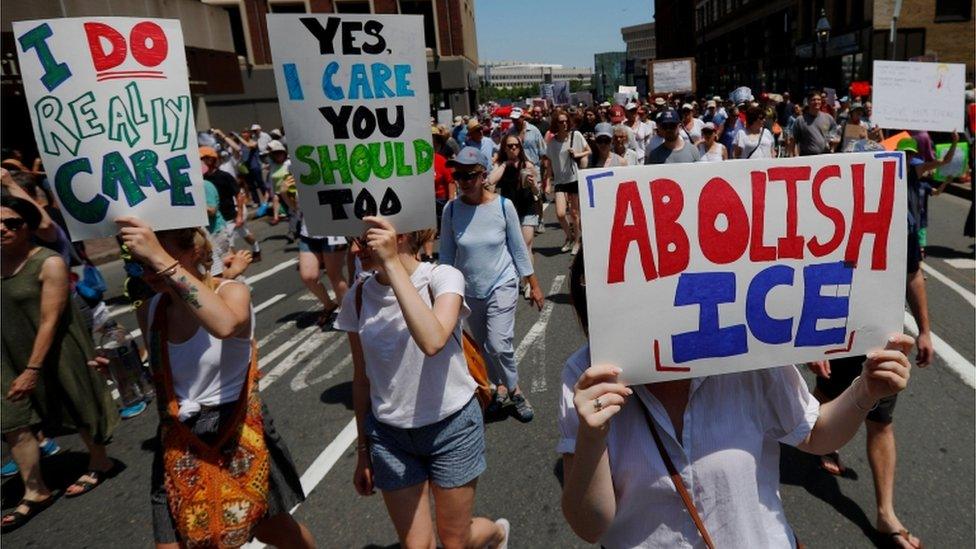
(472, 351)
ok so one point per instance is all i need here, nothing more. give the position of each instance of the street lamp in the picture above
(823, 36)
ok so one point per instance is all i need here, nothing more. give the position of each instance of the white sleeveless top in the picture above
(207, 371)
(711, 155)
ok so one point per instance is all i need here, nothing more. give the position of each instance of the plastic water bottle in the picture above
(124, 364)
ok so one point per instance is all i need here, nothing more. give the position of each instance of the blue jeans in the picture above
(492, 324)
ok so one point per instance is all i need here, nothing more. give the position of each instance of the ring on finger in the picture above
(597, 404)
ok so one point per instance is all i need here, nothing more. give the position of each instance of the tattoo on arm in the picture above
(186, 291)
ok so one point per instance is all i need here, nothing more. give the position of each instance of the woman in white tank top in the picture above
(710, 149)
(207, 327)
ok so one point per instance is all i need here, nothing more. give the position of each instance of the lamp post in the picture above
(823, 36)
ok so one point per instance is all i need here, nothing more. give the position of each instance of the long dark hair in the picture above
(577, 291)
(503, 154)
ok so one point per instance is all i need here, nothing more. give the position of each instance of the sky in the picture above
(566, 32)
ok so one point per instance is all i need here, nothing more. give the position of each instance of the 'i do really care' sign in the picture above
(110, 104)
(710, 268)
(353, 96)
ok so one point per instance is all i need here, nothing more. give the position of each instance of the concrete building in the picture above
(511, 74)
(674, 28)
(609, 71)
(641, 44)
(774, 45)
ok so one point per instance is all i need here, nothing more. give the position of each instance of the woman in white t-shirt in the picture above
(755, 141)
(710, 149)
(721, 432)
(566, 153)
(419, 424)
(690, 128)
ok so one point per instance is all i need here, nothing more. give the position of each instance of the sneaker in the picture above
(567, 246)
(540, 228)
(527, 292)
(521, 409)
(495, 411)
(130, 412)
(49, 448)
(9, 469)
(506, 528)
(575, 249)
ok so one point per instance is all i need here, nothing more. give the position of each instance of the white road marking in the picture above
(966, 294)
(301, 381)
(537, 332)
(293, 341)
(265, 274)
(310, 346)
(285, 326)
(269, 303)
(961, 262)
(950, 356)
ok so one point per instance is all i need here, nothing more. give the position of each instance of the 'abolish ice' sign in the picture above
(110, 103)
(353, 96)
(711, 268)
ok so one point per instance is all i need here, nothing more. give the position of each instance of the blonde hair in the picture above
(417, 239)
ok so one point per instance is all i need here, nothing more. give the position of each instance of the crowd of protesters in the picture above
(421, 421)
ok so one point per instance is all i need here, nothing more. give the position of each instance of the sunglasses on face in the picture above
(513, 146)
(466, 176)
(13, 223)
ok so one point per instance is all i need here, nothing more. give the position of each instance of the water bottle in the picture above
(124, 364)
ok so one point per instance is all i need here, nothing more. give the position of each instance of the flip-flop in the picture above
(835, 458)
(99, 476)
(325, 316)
(20, 519)
(891, 540)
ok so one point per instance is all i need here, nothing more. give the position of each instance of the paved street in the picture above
(307, 386)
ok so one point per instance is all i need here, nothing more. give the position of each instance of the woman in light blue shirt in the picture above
(481, 237)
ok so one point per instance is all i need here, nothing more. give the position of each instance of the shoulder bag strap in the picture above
(762, 132)
(679, 484)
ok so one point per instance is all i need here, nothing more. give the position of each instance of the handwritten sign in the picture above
(957, 166)
(673, 75)
(352, 90)
(919, 96)
(110, 105)
(701, 269)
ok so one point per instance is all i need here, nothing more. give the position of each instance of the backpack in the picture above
(472, 351)
(92, 285)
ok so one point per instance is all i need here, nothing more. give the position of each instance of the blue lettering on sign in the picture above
(817, 306)
(292, 82)
(707, 290)
(331, 90)
(764, 327)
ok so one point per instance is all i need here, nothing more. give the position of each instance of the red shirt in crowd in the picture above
(442, 177)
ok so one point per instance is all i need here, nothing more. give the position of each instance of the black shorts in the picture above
(842, 373)
(569, 188)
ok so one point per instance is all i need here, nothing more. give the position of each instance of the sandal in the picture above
(891, 540)
(99, 476)
(832, 458)
(325, 316)
(20, 519)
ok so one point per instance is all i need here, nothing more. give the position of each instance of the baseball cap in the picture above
(617, 114)
(516, 113)
(908, 145)
(603, 129)
(469, 156)
(276, 133)
(605, 104)
(473, 123)
(458, 120)
(631, 105)
(710, 103)
(687, 106)
(275, 146)
(717, 98)
(255, 127)
(708, 126)
(659, 101)
(208, 151)
(668, 116)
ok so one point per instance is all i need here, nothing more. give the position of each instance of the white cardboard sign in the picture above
(352, 90)
(673, 76)
(112, 114)
(703, 269)
(909, 95)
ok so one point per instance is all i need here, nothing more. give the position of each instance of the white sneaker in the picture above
(566, 247)
(507, 528)
(527, 292)
(540, 228)
(576, 248)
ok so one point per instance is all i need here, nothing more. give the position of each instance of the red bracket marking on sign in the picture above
(657, 361)
(850, 343)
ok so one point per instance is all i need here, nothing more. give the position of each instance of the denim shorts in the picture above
(317, 245)
(449, 453)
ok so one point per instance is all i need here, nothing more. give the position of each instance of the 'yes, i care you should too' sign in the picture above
(110, 103)
(710, 268)
(353, 96)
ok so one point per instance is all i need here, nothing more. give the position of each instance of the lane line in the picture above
(285, 326)
(265, 274)
(537, 331)
(310, 347)
(966, 294)
(961, 263)
(293, 341)
(300, 381)
(955, 361)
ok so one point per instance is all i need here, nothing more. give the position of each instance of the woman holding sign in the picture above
(219, 453)
(721, 433)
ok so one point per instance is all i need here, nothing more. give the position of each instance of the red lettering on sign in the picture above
(791, 245)
(831, 213)
(148, 43)
(877, 223)
(671, 238)
(725, 245)
(103, 60)
(622, 234)
(757, 250)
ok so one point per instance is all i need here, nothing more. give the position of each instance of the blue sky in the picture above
(567, 32)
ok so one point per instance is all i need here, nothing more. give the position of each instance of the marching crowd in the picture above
(680, 463)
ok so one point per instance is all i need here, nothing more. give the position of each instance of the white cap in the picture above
(710, 103)
(631, 105)
(516, 113)
(717, 98)
(275, 146)
(659, 101)
(605, 104)
(709, 126)
(255, 127)
(687, 106)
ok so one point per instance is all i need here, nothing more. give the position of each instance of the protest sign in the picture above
(740, 95)
(957, 166)
(891, 143)
(702, 269)
(546, 92)
(560, 92)
(672, 75)
(831, 98)
(621, 99)
(352, 90)
(919, 96)
(445, 117)
(631, 91)
(110, 104)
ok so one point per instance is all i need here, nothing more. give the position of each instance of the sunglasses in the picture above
(466, 176)
(14, 223)
(513, 146)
